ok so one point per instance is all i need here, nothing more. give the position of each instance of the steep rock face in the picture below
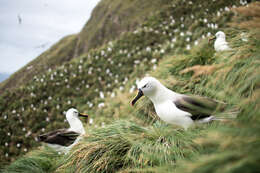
(108, 20)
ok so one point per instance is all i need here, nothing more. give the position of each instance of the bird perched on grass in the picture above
(175, 108)
(220, 43)
(64, 139)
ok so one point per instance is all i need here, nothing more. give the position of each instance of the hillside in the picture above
(107, 22)
(132, 139)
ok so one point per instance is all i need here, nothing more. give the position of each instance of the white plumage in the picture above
(220, 43)
(175, 108)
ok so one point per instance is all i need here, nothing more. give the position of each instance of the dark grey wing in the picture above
(61, 137)
(198, 107)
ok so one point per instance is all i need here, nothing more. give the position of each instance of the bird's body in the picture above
(220, 43)
(175, 108)
(63, 139)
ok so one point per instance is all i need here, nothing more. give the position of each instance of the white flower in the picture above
(121, 88)
(174, 39)
(5, 117)
(47, 119)
(188, 47)
(91, 121)
(137, 61)
(102, 52)
(109, 49)
(132, 89)
(182, 34)
(153, 60)
(188, 39)
(227, 9)
(148, 49)
(14, 111)
(101, 95)
(196, 42)
(154, 67)
(43, 129)
(24, 129)
(8, 134)
(58, 107)
(113, 95)
(218, 13)
(69, 102)
(100, 105)
(205, 20)
(162, 51)
(18, 145)
(25, 150)
(6, 155)
(87, 86)
(6, 144)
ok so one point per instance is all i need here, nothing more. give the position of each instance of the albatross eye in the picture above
(145, 86)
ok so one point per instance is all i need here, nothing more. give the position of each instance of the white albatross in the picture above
(175, 108)
(220, 43)
(63, 139)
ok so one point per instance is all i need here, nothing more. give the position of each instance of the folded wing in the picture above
(199, 107)
(61, 137)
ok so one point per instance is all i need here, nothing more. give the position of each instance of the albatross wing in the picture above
(62, 137)
(198, 107)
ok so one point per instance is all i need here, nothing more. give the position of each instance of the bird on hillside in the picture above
(175, 108)
(63, 139)
(220, 43)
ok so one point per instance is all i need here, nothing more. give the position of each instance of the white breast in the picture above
(169, 113)
(221, 45)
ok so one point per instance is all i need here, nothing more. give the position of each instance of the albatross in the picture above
(175, 108)
(220, 43)
(64, 139)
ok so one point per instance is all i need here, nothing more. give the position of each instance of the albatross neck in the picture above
(76, 125)
(162, 94)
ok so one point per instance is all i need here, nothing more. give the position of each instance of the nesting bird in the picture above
(64, 139)
(175, 108)
(220, 43)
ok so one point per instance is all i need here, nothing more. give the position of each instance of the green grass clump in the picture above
(125, 144)
(41, 161)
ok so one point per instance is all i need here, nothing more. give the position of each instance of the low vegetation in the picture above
(133, 139)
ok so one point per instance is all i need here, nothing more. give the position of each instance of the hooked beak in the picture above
(212, 38)
(137, 97)
(83, 115)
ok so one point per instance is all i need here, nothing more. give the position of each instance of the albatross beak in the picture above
(83, 115)
(137, 97)
(212, 38)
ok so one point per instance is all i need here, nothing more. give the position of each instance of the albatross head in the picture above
(147, 87)
(218, 35)
(74, 114)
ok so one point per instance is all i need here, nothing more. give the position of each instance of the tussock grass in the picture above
(42, 161)
(124, 144)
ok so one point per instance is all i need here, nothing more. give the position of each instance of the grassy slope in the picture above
(110, 19)
(129, 146)
(107, 22)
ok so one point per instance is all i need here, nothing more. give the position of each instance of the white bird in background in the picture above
(175, 108)
(64, 139)
(220, 43)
